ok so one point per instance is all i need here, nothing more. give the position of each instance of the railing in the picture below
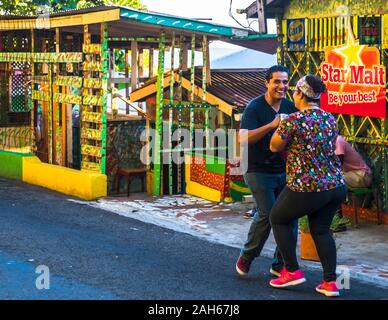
(18, 139)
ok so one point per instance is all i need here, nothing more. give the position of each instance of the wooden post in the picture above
(192, 68)
(82, 124)
(192, 86)
(126, 77)
(47, 109)
(151, 63)
(185, 56)
(133, 65)
(204, 82)
(34, 147)
(208, 69)
(181, 63)
(179, 116)
(172, 81)
(104, 92)
(112, 62)
(325, 35)
(329, 32)
(340, 25)
(159, 115)
(321, 46)
(316, 36)
(140, 62)
(204, 67)
(170, 115)
(55, 123)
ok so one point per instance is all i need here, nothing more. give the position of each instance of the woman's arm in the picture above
(277, 144)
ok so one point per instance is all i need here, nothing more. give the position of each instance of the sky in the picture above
(217, 10)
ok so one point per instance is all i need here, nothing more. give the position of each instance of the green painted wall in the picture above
(11, 164)
(238, 189)
(213, 164)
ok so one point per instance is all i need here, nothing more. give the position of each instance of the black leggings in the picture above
(320, 208)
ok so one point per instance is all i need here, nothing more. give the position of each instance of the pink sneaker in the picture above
(329, 289)
(288, 279)
(276, 272)
(243, 266)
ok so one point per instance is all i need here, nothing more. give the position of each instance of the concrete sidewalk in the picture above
(362, 250)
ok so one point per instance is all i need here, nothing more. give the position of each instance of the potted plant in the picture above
(308, 250)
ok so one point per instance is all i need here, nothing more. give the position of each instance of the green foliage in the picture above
(32, 6)
(337, 221)
(125, 3)
(304, 224)
(57, 5)
(17, 6)
(120, 60)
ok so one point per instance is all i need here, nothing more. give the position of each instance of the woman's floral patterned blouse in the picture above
(312, 165)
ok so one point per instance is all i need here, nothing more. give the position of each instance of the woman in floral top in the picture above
(315, 184)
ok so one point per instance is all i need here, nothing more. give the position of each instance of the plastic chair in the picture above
(358, 192)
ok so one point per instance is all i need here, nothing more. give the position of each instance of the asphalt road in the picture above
(94, 254)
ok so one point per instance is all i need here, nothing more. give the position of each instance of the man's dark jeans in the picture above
(265, 188)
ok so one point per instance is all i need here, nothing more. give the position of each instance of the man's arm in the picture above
(255, 135)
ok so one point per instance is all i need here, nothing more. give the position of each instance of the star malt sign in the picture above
(355, 79)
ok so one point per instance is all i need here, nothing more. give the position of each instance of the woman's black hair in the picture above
(316, 84)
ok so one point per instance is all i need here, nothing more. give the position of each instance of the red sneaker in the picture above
(287, 279)
(243, 266)
(329, 289)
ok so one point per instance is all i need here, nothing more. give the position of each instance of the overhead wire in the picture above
(239, 23)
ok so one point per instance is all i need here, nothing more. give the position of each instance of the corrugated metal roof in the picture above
(236, 87)
(129, 12)
(150, 23)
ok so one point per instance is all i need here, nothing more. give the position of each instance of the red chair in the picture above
(130, 174)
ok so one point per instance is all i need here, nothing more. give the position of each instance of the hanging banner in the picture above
(369, 30)
(296, 34)
(355, 80)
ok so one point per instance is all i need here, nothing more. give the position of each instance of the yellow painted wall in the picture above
(150, 182)
(195, 189)
(334, 8)
(82, 184)
(203, 192)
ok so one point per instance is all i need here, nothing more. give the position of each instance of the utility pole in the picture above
(261, 16)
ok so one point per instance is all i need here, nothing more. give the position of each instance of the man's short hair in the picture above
(276, 68)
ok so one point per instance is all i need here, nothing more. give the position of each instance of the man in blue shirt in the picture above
(266, 172)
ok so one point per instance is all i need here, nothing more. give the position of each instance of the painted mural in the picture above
(210, 178)
(123, 149)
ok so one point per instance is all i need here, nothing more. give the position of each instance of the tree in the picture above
(125, 3)
(34, 6)
(17, 6)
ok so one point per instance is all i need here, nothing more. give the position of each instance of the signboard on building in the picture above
(369, 30)
(384, 41)
(355, 79)
(296, 34)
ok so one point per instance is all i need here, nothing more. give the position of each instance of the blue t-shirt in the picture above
(258, 113)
